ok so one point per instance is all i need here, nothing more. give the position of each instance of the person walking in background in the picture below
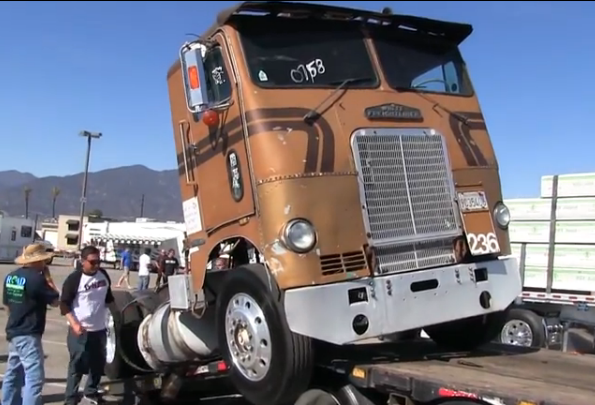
(160, 264)
(186, 253)
(26, 295)
(171, 264)
(144, 270)
(86, 294)
(126, 265)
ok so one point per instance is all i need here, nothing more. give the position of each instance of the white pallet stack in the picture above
(573, 265)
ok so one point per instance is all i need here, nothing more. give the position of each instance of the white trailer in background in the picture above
(554, 238)
(15, 234)
(137, 236)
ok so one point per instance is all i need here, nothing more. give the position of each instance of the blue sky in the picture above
(101, 66)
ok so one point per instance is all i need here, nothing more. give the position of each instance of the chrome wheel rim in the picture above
(248, 337)
(517, 333)
(110, 340)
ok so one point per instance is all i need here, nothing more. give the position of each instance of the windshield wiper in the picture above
(458, 116)
(313, 113)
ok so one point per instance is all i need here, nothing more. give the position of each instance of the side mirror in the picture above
(193, 72)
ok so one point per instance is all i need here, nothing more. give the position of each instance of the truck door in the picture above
(218, 160)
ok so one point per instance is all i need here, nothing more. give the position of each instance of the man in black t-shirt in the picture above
(170, 264)
(27, 292)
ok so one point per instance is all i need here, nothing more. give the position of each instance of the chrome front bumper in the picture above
(328, 312)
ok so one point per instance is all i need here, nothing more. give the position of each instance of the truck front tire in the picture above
(269, 364)
(467, 334)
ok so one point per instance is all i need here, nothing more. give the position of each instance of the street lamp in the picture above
(89, 135)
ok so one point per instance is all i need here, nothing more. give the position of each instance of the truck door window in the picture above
(413, 61)
(218, 85)
(323, 55)
(26, 231)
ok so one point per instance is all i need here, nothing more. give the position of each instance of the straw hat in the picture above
(34, 253)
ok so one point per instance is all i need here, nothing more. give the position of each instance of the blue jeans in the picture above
(25, 375)
(143, 282)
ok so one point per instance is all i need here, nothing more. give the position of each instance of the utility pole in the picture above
(89, 135)
(142, 206)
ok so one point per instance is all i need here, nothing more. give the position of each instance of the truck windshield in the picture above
(290, 55)
(420, 62)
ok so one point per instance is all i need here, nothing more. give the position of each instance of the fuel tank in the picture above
(169, 337)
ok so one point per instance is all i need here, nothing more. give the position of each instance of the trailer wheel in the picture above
(121, 338)
(269, 364)
(523, 328)
(467, 334)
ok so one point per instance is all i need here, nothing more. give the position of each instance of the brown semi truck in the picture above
(340, 161)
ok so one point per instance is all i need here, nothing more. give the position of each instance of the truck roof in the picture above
(451, 31)
(498, 374)
(455, 32)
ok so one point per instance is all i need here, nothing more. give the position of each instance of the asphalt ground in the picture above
(54, 339)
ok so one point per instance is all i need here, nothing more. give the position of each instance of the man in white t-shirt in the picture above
(86, 293)
(144, 270)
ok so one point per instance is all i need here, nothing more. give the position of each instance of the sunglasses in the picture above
(94, 262)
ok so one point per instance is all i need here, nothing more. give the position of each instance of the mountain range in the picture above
(116, 192)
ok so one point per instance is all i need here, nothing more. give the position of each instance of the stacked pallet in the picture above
(574, 237)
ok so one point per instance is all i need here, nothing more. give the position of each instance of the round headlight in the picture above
(502, 215)
(299, 235)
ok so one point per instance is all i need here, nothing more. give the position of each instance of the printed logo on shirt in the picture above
(95, 284)
(15, 289)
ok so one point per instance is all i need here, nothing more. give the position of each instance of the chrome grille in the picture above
(406, 188)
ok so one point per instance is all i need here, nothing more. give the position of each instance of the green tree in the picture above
(97, 213)
(55, 194)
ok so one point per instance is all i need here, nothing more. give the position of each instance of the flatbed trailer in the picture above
(411, 373)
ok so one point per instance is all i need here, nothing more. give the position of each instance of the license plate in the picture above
(473, 201)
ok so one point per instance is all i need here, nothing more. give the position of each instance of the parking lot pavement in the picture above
(54, 339)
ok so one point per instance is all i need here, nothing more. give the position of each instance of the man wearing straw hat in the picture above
(27, 292)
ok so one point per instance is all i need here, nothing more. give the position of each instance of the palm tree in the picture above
(55, 194)
(27, 191)
(97, 213)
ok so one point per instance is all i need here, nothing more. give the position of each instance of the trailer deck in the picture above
(498, 374)
(419, 372)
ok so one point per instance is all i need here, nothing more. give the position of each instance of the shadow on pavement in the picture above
(50, 398)
(55, 380)
(582, 343)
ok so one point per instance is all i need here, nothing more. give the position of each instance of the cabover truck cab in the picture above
(344, 155)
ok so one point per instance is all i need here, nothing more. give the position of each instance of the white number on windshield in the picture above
(307, 72)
